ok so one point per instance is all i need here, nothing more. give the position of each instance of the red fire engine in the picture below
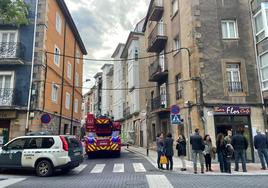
(103, 136)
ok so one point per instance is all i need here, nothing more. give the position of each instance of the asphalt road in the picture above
(129, 171)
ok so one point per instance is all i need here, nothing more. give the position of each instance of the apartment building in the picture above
(56, 92)
(106, 89)
(259, 17)
(16, 48)
(212, 76)
(97, 93)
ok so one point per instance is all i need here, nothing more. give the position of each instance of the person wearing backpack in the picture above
(229, 154)
(221, 151)
(181, 147)
(261, 145)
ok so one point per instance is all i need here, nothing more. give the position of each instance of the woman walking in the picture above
(160, 149)
(168, 148)
(181, 147)
(221, 151)
(208, 152)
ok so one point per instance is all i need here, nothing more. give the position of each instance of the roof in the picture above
(119, 46)
(132, 36)
(147, 16)
(72, 25)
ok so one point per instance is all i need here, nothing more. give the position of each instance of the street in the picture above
(130, 170)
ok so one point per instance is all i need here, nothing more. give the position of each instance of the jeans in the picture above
(263, 155)
(201, 159)
(240, 154)
(159, 154)
(223, 162)
(208, 161)
(183, 161)
(170, 163)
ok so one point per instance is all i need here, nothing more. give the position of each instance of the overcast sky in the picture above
(103, 24)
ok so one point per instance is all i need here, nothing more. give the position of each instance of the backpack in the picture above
(229, 150)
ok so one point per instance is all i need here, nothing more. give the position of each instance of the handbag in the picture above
(163, 160)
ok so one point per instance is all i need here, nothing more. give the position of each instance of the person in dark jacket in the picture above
(160, 148)
(181, 147)
(168, 148)
(198, 147)
(208, 152)
(221, 151)
(240, 144)
(261, 145)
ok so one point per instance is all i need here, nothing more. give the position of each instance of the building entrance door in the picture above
(233, 123)
(4, 131)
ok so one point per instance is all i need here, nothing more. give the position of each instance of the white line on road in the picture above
(158, 181)
(118, 168)
(138, 167)
(98, 168)
(11, 181)
(79, 169)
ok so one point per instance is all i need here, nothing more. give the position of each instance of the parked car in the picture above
(44, 153)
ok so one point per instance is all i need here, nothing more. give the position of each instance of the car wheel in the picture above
(44, 168)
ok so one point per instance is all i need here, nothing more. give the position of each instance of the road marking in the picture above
(158, 181)
(118, 168)
(79, 169)
(11, 181)
(98, 168)
(138, 167)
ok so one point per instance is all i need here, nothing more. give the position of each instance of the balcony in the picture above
(6, 97)
(12, 53)
(157, 10)
(126, 112)
(235, 87)
(157, 39)
(158, 70)
(160, 103)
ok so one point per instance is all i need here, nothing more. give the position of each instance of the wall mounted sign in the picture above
(8, 114)
(232, 110)
(45, 118)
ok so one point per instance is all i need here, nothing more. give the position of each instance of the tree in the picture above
(14, 12)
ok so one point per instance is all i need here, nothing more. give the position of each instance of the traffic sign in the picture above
(175, 109)
(175, 119)
(45, 118)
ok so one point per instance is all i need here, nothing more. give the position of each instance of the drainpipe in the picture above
(62, 78)
(258, 71)
(32, 67)
(73, 92)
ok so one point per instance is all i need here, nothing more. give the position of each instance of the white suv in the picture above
(42, 153)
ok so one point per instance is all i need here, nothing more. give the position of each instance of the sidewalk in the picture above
(252, 168)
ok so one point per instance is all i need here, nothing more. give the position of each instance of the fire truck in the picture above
(102, 136)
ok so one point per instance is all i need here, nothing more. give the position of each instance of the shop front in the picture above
(234, 118)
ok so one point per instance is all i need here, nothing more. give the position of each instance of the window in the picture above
(77, 57)
(76, 105)
(178, 87)
(162, 62)
(17, 144)
(175, 7)
(67, 100)
(261, 22)
(233, 77)
(229, 29)
(176, 45)
(163, 95)
(56, 56)
(69, 70)
(6, 88)
(8, 44)
(54, 94)
(58, 23)
(136, 55)
(264, 70)
(76, 79)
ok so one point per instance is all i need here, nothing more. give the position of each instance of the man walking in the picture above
(261, 145)
(168, 148)
(240, 144)
(198, 147)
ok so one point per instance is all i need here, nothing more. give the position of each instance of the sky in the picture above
(103, 24)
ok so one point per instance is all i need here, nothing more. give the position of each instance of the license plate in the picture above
(77, 153)
(103, 143)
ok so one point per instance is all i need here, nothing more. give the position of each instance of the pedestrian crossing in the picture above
(10, 181)
(118, 168)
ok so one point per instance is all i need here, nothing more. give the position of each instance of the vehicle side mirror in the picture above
(4, 148)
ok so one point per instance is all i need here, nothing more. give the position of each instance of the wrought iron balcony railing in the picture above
(157, 10)
(158, 69)
(235, 87)
(160, 102)
(158, 38)
(6, 96)
(12, 50)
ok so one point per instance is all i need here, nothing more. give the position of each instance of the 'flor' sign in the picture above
(232, 110)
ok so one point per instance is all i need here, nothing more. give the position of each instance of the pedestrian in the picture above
(168, 149)
(229, 155)
(197, 150)
(221, 151)
(208, 152)
(261, 145)
(181, 147)
(160, 149)
(240, 144)
(228, 137)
